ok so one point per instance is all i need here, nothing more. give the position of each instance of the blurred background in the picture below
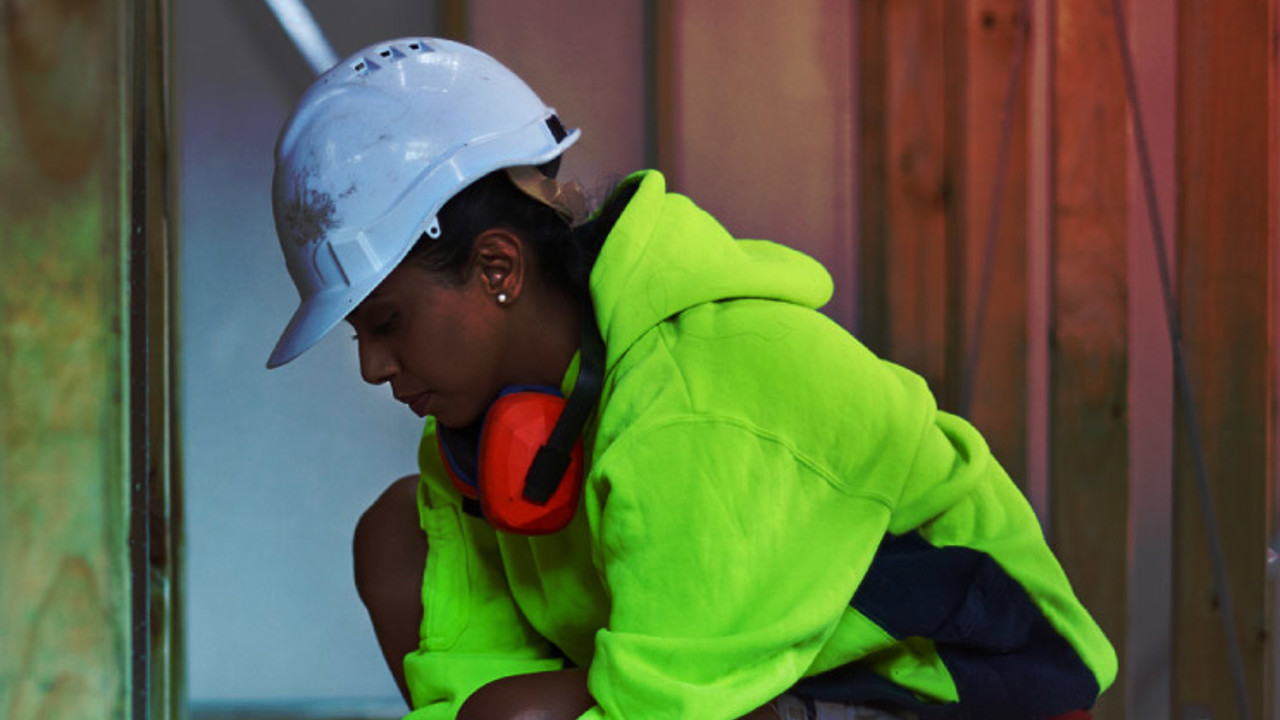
(175, 521)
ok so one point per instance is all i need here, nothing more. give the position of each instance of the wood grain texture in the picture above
(1088, 467)
(871, 325)
(955, 52)
(918, 188)
(998, 406)
(1223, 112)
(64, 610)
(1273, 430)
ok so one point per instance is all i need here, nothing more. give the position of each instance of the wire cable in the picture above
(997, 200)
(1225, 606)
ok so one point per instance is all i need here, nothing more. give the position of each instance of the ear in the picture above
(499, 263)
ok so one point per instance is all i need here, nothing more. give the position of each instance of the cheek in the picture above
(464, 370)
(460, 351)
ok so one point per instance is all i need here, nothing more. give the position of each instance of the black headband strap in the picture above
(552, 460)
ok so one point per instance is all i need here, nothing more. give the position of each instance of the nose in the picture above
(377, 364)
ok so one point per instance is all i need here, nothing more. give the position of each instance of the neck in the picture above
(545, 333)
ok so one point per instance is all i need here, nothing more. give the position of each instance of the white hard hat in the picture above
(374, 149)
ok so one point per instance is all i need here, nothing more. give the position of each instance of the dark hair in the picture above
(566, 255)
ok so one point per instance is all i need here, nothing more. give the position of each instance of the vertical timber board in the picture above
(917, 188)
(455, 19)
(548, 44)
(955, 52)
(1222, 276)
(767, 139)
(1088, 465)
(167, 682)
(65, 609)
(1153, 39)
(872, 325)
(999, 401)
(1273, 418)
(663, 43)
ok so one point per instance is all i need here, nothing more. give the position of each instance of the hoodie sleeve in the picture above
(472, 632)
(709, 535)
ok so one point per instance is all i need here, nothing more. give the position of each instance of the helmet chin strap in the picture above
(567, 199)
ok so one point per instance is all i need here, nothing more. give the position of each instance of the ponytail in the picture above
(566, 253)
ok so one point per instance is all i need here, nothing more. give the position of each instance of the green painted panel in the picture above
(64, 608)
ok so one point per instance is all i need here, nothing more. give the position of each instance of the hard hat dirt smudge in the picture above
(309, 216)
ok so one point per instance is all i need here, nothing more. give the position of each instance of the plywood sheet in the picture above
(64, 610)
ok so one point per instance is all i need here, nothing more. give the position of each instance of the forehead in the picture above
(411, 286)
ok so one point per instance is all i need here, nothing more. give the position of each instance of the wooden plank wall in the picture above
(933, 82)
(879, 123)
(1089, 227)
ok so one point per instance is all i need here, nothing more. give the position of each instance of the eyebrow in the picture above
(374, 295)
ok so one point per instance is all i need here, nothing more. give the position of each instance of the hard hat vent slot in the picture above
(420, 47)
(364, 66)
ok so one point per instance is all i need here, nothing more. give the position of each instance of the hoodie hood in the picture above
(666, 255)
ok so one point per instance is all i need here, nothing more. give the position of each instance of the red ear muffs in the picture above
(497, 471)
(516, 428)
(525, 466)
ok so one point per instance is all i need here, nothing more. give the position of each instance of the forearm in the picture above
(557, 695)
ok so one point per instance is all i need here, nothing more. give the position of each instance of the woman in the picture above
(762, 520)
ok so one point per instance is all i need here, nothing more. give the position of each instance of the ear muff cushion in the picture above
(458, 449)
(515, 427)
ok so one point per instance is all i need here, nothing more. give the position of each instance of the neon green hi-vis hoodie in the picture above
(769, 507)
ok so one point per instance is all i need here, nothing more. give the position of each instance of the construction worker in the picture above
(655, 481)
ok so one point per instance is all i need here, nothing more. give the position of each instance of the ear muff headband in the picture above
(552, 460)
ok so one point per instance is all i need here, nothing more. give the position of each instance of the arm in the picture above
(730, 559)
(472, 632)
(558, 695)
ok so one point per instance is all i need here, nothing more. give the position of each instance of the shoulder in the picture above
(760, 373)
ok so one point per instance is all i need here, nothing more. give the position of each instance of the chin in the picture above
(457, 420)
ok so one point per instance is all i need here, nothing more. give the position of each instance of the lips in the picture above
(418, 403)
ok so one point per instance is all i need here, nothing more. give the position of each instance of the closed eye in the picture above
(386, 326)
